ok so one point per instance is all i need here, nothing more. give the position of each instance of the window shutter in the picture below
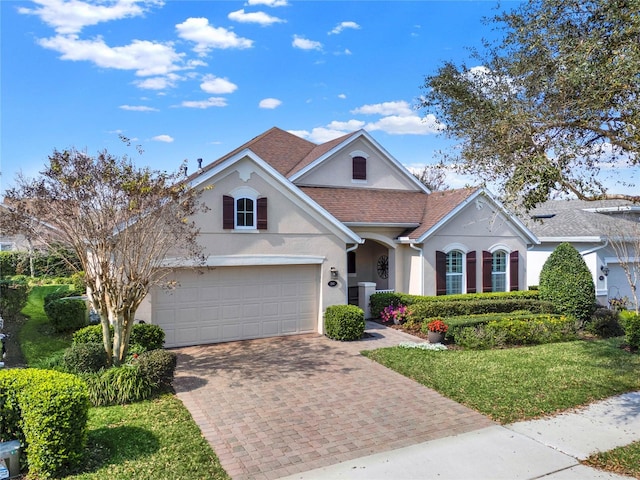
(262, 213)
(441, 273)
(487, 269)
(513, 271)
(471, 272)
(228, 207)
(359, 168)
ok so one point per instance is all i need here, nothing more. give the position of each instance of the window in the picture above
(359, 168)
(351, 263)
(454, 272)
(499, 271)
(244, 213)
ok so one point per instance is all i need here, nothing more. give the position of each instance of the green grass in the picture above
(521, 383)
(146, 440)
(38, 340)
(623, 460)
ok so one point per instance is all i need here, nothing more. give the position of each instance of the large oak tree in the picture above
(122, 222)
(552, 106)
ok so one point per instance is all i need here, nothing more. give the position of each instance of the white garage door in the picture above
(237, 303)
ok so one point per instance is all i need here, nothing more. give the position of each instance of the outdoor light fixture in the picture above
(334, 272)
(604, 270)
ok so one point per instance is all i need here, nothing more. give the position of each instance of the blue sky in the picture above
(196, 79)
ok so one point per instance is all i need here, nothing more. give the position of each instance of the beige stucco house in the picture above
(295, 227)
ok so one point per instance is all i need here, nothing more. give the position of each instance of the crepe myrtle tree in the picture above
(122, 222)
(550, 106)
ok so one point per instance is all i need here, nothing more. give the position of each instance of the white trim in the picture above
(245, 260)
(499, 246)
(359, 153)
(572, 239)
(456, 246)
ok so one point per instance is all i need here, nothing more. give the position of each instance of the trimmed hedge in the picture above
(381, 300)
(67, 314)
(13, 297)
(85, 358)
(146, 335)
(631, 324)
(159, 367)
(47, 411)
(51, 264)
(420, 311)
(344, 322)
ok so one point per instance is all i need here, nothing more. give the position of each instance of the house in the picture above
(598, 230)
(295, 227)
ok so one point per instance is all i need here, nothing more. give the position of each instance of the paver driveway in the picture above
(280, 406)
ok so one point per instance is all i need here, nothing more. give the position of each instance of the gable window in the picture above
(454, 272)
(499, 271)
(359, 168)
(244, 213)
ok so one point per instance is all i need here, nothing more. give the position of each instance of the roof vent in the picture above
(199, 163)
(540, 216)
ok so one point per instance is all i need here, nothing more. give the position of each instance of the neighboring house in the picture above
(295, 227)
(594, 228)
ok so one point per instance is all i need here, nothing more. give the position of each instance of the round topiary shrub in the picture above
(344, 322)
(158, 366)
(565, 281)
(84, 358)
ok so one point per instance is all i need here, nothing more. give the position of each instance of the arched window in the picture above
(454, 272)
(499, 271)
(245, 213)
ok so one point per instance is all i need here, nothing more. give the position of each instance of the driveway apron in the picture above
(275, 407)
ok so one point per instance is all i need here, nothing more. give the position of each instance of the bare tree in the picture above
(625, 242)
(121, 221)
(433, 177)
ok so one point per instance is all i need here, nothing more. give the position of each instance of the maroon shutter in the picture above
(471, 272)
(262, 213)
(487, 269)
(228, 207)
(441, 273)
(513, 271)
(359, 168)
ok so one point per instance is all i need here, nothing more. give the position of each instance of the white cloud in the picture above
(72, 16)
(208, 103)
(305, 44)
(207, 37)
(318, 134)
(138, 108)
(342, 96)
(346, 127)
(158, 83)
(269, 103)
(146, 58)
(341, 26)
(400, 108)
(260, 18)
(216, 85)
(406, 125)
(269, 3)
(163, 138)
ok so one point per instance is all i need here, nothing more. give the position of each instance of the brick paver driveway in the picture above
(276, 407)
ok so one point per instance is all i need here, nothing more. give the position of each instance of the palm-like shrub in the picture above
(565, 281)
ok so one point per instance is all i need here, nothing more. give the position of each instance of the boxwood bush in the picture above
(452, 308)
(631, 324)
(159, 367)
(344, 322)
(67, 314)
(47, 411)
(84, 358)
(13, 297)
(144, 335)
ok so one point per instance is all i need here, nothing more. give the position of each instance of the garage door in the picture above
(237, 303)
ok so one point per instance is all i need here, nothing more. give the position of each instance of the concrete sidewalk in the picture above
(549, 448)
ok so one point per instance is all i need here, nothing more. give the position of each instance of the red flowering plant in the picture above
(396, 313)
(437, 325)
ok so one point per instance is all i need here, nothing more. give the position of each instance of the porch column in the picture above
(365, 290)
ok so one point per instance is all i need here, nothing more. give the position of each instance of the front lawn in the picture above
(623, 460)
(516, 384)
(146, 440)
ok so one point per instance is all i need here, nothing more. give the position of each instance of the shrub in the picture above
(396, 313)
(344, 322)
(147, 336)
(479, 338)
(423, 310)
(47, 411)
(631, 324)
(159, 367)
(117, 385)
(67, 314)
(565, 281)
(84, 358)
(79, 285)
(13, 297)
(59, 293)
(605, 323)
